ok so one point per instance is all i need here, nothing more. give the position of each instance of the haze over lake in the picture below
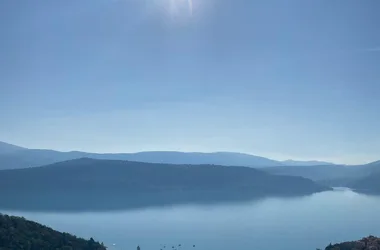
(276, 223)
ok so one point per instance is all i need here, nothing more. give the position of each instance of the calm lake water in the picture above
(273, 223)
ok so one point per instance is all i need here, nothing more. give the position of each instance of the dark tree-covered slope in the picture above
(116, 184)
(18, 233)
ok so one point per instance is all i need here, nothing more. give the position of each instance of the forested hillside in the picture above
(19, 233)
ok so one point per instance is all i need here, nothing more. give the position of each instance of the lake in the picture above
(301, 223)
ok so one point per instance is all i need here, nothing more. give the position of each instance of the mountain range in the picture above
(13, 157)
(113, 184)
(363, 178)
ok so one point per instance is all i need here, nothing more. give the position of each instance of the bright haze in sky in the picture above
(281, 79)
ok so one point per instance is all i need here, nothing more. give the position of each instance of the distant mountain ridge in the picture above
(113, 184)
(6, 148)
(24, 158)
(370, 183)
(361, 177)
(217, 158)
(306, 163)
(364, 178)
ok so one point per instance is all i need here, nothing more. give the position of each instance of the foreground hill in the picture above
(19, 233)
(111, 184)
(369, 243)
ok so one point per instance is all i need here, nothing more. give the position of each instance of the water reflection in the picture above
(127, 201)
(296, 223)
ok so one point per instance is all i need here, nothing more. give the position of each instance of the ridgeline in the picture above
(368, 243)
(93, 185)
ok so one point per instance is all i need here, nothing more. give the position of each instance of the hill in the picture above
(371, 182)
(6, 148)
(112, 184)
(218, 158)
(306, 163)
(12, 157)
(317, 173)
(35, 158)
(19, 233)
(40, 157)
(369, 243)
(331, 175)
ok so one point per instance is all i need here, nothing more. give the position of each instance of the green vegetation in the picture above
(19, 233)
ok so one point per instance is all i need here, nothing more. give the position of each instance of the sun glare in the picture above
(179, 11)
(180, 7)
(190, 3)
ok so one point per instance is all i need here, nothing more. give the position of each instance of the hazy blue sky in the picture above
(282, 79)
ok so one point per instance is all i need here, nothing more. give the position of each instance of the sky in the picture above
(280, 79)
